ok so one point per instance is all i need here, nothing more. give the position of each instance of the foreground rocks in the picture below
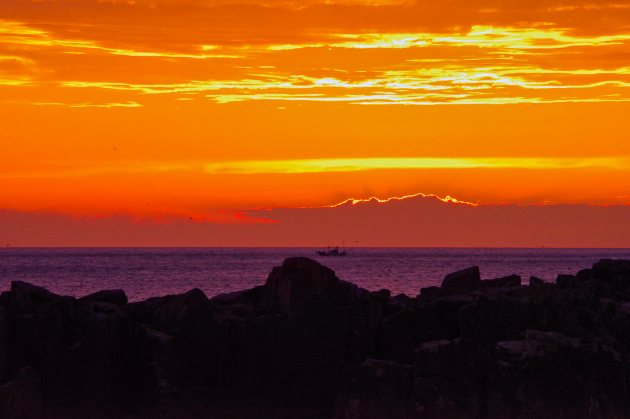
(309, 345)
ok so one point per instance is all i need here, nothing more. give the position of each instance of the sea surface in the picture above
(150, 272)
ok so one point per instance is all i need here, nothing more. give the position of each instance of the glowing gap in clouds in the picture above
(359, 164)
(447, 199)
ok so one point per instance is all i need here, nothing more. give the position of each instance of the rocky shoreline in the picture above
(309, 345)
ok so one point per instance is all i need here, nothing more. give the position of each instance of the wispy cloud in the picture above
(91, 105)
(20, 34)
(499, 38)
(488, 65)
(447, 84)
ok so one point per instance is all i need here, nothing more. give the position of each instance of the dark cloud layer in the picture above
(423, 222)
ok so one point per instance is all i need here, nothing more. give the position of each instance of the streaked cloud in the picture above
(91, 105)
(500, 38)
(487, 65)
(358, 164)
(306, 166)
(19, 34)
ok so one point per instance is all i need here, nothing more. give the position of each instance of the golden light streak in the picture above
(16, 81)
(327, 165)
(503, 38)
(405, 163)
(439, 85)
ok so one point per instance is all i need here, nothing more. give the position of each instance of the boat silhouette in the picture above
(332, 252)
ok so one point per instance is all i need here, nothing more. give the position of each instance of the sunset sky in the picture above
(137, 113)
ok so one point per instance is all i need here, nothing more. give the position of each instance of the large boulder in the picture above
(614, 272)
(301, 285)
(324, 324)
(29, 298)
(464, 281)
(310, 295)
(21, 398)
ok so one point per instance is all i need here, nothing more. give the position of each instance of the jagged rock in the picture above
(4, 343)
(448, 312)
(566, 281)
(463, 281)
(493, 318)
(613, 272)
(300, 285)
(382, 295)
(82, 351)
(21, 397)
(447, 378)
(309, 293)
(430, 294)
(396, 304)
(193, 355)
(375, 389)
(547, 374)
(535, 281)
(505, 282)
(617, 319)
(27, 298)
(332, 322)
(401, 333)
(584, 275)
(307, 341)
(116, 297)
(247, 297)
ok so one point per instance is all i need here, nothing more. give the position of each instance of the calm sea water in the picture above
(148, 272)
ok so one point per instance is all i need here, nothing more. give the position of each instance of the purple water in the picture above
(147, 272)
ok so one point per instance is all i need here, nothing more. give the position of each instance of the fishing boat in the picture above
(332, 252)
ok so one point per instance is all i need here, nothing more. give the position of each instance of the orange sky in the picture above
(154, 108)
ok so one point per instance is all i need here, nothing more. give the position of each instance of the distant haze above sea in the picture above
(416, 221)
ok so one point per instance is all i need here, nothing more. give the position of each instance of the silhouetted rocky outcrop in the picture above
(309, 345)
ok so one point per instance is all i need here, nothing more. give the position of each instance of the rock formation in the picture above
(309, 345)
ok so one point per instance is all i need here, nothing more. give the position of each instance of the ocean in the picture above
(150, 272)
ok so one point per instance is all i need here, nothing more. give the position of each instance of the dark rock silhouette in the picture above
(309, 345)
(21, 398)
(463, 281)
(117, 297)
